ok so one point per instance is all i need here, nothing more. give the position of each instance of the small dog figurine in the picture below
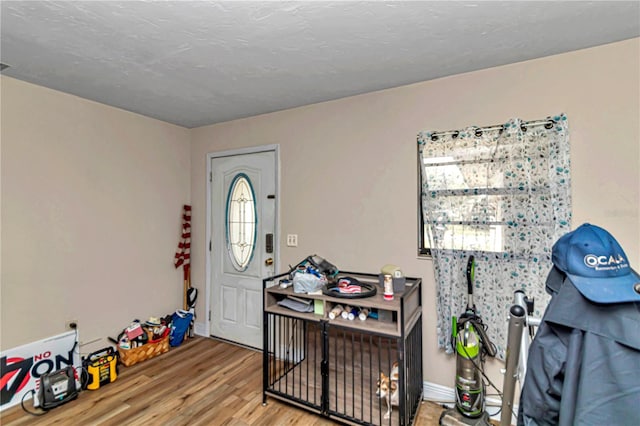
(388, 389)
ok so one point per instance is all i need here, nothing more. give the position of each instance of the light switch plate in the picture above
(292, 240)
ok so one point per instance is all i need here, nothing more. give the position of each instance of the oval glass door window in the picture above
(241, 222)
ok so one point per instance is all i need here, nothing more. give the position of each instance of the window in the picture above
(472, 194)
(241, 222)
(478, 185)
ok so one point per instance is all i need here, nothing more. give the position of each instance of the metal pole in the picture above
(517, 314)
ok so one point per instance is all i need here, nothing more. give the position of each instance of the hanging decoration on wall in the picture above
(183, 254)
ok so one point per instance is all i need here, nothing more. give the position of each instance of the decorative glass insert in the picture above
(241, 222)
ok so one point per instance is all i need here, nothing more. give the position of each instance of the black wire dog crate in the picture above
(333, 366)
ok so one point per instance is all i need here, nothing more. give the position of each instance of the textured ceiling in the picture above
(195, 63)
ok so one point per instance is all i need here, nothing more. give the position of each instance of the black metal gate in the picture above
(335, 370)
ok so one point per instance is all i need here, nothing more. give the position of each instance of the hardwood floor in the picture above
(202, 382)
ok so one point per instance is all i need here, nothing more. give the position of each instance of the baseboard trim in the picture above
(200, 329)
(446, 396)
(439, 394)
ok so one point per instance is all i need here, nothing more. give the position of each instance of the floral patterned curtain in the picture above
(503, 195)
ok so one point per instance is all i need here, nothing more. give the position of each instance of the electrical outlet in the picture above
(292, 240)
(71, 324)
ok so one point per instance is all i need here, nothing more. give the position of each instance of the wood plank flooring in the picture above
(202, 382)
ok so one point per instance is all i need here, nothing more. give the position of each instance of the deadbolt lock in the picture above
(269, 261)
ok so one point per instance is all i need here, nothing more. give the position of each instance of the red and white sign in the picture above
(22, 367)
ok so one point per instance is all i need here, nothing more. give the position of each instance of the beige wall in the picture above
(91, 207)
(91, 195)
(349, 166)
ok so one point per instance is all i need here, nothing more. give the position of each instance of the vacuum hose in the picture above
(487, 345)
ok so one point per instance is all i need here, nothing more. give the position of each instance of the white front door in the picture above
(243, 243)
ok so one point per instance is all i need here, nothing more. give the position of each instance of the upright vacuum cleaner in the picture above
(471, 344)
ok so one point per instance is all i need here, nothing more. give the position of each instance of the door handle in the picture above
(269, 261)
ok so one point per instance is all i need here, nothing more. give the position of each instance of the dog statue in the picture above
(388, 389)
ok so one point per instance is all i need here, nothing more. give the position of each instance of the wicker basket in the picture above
(129, 357)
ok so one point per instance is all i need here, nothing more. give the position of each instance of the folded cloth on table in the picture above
(296, 305)
(349, 285)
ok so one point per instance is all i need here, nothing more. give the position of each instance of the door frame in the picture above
(275, 148)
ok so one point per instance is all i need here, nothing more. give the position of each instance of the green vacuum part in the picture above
(468, 345)
(469, 386)
(470, 402)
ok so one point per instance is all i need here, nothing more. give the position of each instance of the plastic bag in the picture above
(307, 283)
